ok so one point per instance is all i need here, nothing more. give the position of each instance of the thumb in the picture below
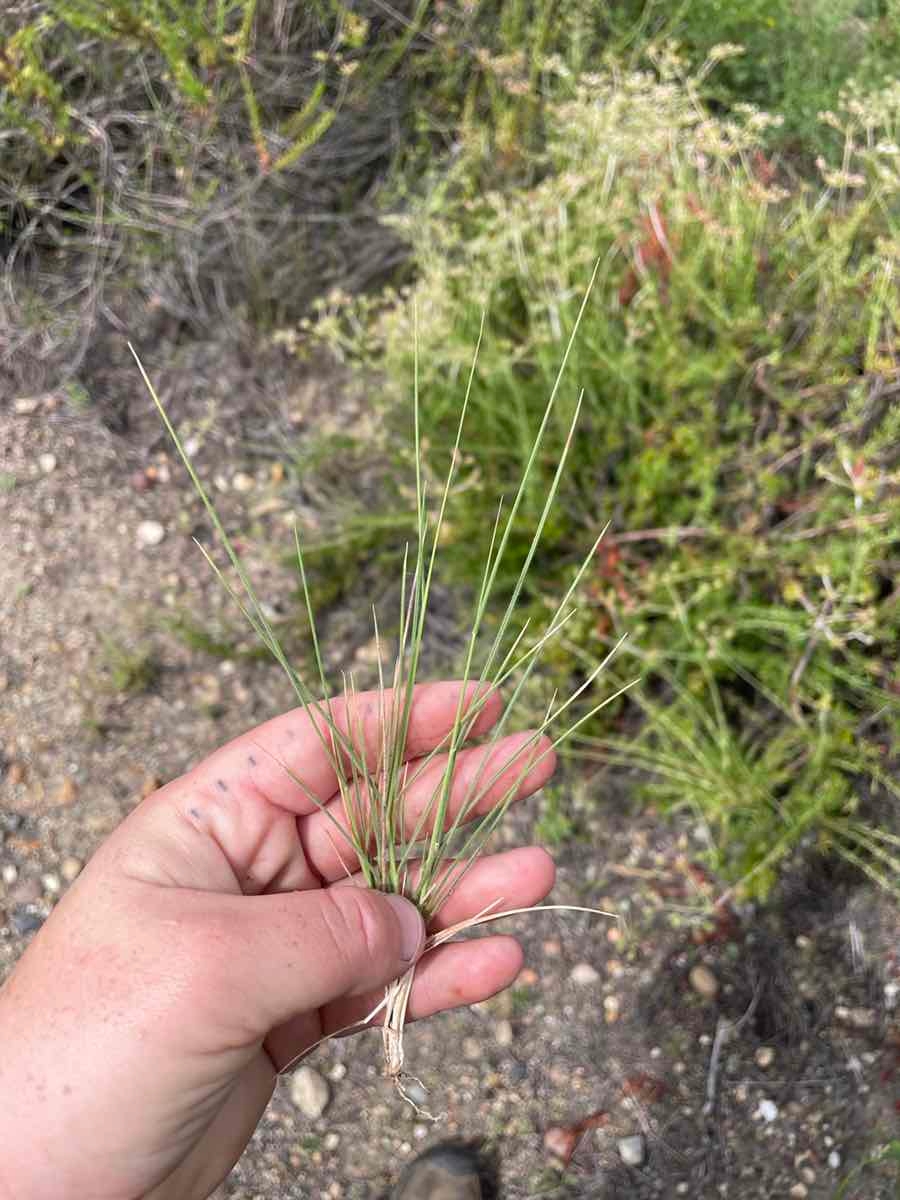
(304, 949)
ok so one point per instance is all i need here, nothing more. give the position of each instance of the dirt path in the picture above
(771, 1072)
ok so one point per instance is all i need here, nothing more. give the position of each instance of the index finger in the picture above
(289, 761)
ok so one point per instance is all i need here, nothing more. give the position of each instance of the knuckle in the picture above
(354, 925)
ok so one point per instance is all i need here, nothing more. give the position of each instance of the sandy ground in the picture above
(772, 1072)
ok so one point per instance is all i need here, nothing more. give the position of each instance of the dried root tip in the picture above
(400, 1084)
(396, 1003)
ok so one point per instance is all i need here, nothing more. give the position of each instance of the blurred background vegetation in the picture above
(312, 169)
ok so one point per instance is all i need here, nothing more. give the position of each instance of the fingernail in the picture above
(412, 927)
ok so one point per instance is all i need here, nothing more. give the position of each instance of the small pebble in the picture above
(26, 891)
(527, 977)
(9, 873)
(338, 1072)
(242, 482)
(503, 1033)
(142, 481)
(584, 975)
(65, 793)
(15, 773)
(47, 463)
(799, 1191)
(552, 948)
(834, 1160)
(331, 1141)
(24, 406)
(703, 982)
(24, 922)
(764, 1056)
(150, 533)
(310, 1092)
(471, 1049)
(766, 1110)
(52, 883)
(611, 1009)
(858, 1018)
(416, 1091)
(70, 869)
(632, 1150)
(560, 1142)
(808, 1175)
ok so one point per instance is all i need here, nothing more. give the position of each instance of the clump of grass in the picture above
(132, 671)
(426, 858)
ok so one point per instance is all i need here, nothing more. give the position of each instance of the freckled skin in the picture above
(144, 1025)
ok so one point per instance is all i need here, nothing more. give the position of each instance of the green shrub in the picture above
(740, 430)
(798, 55)
(180, 158)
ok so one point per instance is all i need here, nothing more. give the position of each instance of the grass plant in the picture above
(425, 857)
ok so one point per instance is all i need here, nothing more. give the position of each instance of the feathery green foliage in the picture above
(739, 427)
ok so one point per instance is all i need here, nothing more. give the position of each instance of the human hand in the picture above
(212, 939)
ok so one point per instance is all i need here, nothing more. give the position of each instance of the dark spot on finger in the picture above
(195, 813)
(221, 785)
(251, 760)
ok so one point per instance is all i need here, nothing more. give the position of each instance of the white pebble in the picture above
(766, 1110)
(632, 1150)
(834, 1160)
(70, 869)
(503, 1033)
(703, 982)
(243, 482)
(150, 533)
(764, 1056)
(10, 873)
(859, 1018)
(47, 463)
(338, 1072)
(310, 1092)
(331, 1141)
(584, 975)
(52, 884)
